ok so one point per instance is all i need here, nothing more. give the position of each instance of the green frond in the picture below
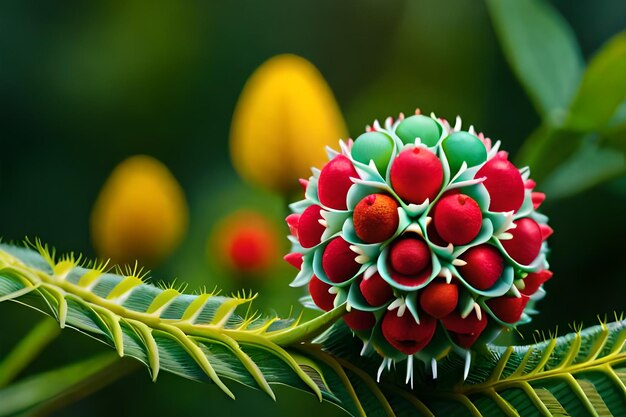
(214, 338)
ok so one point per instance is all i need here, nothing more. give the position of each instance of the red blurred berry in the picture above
(409, 256)
(439, 299)
(457, 219)
(310, 229)
(338, 261)
(526, 242)
(416, 174)
(359, 320)
(484, 266)
(504, 183)
(320, 295)
(533, 281)
(376, 218)
(405, 334)
(508, 309)
(294, 259)
(376, 290)
(334, 182)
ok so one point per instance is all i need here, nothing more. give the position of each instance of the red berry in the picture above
(376, 290)
(533, 281)
(338, 261)
(320, 295)
(294, 259)
(292, 221)
(416, 174)
(537, 198)
(376, 218)
(484, 266)
(409, 256)
(457, 219)
(465, 331)
(439, 299)
(546, 231)
(504, 183)
(359, 320)
(334, 182)
(405, 334)
(526, 242)
(508, 309)
(310, 229)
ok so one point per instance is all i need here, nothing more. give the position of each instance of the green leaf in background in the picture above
(542, 51)
(603, 87)
(51, 389)
(589, 166)
(199, 337)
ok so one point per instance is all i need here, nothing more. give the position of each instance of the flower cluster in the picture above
(428, 233)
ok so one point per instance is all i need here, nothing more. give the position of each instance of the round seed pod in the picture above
(419, 126)
(484, 266)
(405, 334)
(320, 295)
(409, 256)
(310, 229)
(376, 290)
(458, 219)
(338, 261)
(334, 182)
(508, 309)
(503, 183)
(439, 299)
(373, 146)
(416, 175)
(464, 331)
(526, 242)
(534, 280)
(463, 146)
(376, 218)
(359, 320)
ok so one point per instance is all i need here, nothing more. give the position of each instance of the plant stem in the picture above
(28, 349)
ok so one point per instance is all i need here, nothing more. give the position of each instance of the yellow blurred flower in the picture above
(285, 117)
(140, 213)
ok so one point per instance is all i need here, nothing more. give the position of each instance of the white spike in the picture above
(472, 130)
(365, 347)
(376, 125)
(478, 310)
(468, 362)
(459, 262)
(323, 222)
(445, 272)
(333, 290)
(515, 292)
(433, 367)
(370, 271)
(414, 228)
(409, 370)
(457, 124)
(381, 368)
(348, 307)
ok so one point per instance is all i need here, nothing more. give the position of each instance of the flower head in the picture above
(427, 232)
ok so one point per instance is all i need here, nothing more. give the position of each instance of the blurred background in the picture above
(86, 85)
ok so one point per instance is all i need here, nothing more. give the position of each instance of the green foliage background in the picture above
(85, 84)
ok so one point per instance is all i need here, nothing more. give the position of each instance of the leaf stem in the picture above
(28, 349)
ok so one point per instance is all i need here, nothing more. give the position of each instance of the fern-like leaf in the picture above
(202, 337)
